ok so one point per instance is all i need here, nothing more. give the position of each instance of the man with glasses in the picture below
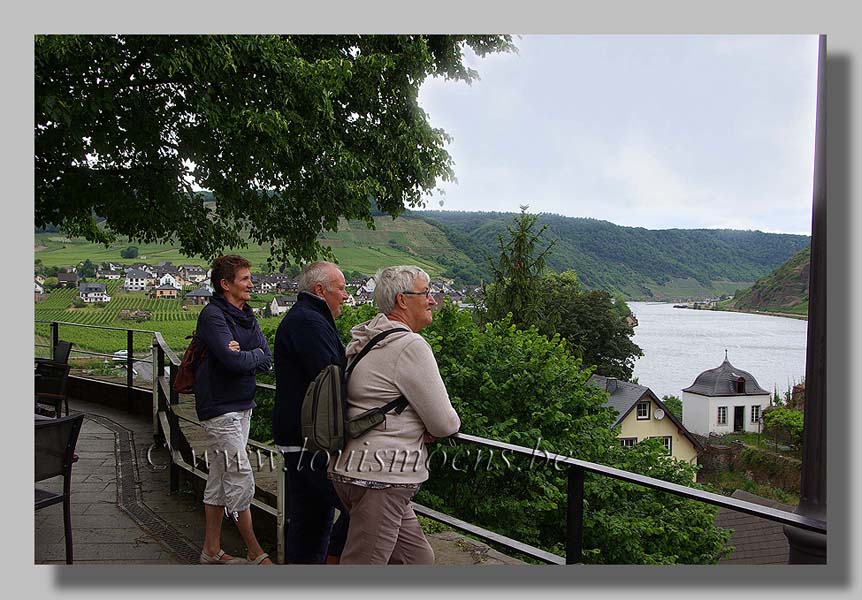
(378, 473)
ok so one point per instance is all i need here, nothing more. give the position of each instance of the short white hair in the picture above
(391, 281)
(314, 273)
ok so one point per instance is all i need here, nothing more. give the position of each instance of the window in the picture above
(740, 385)
(755, 413)
(668, 443)
(722, 415)
(666, 440)
(628, 442)
(643, 410)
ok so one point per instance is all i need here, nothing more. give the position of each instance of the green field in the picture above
(356, 248)
(169, 317)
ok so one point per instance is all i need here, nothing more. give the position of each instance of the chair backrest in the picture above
(62, 351)
(55, 445)
(52, 378)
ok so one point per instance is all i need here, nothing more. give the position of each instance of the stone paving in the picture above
(122, 512)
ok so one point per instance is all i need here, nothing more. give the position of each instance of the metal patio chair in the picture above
(54, 454)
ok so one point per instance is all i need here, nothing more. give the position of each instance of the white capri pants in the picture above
(230, 482)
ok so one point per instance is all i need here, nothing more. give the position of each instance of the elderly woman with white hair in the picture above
(378, 473)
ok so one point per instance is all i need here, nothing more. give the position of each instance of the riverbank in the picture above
(749, 312)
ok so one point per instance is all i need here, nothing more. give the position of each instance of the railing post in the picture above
(575, 516)
(174, 423)
(158, 403)
(280, 507)
(55, 336)
(130, 359)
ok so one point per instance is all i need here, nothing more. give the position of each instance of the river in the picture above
(679, 344)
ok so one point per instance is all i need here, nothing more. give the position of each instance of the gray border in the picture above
(731, 16)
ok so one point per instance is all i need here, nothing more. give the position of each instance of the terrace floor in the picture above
(123, 513)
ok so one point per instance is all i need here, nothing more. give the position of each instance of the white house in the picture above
(169, 280)
(38, 289)
(136, 280)
(94, 292)
(369, 286)
(724, 400)
(281, 304)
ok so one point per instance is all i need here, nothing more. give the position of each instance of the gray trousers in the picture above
(383, 527)
(230, 482)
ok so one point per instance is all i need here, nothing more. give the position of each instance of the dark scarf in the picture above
(244, 318)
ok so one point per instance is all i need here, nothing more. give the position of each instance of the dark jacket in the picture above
(306, 341)
(225, 380)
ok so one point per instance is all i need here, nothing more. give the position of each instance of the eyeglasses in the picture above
(426, 293)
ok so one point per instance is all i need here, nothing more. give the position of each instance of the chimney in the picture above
(611, 385)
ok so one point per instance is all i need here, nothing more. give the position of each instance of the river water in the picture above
(679, 344)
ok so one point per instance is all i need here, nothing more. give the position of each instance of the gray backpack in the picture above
(323, 417)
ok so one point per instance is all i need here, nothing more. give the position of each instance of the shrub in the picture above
(784, 423)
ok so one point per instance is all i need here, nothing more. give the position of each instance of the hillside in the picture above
(785, 290)
(641, 263)
(405, 240)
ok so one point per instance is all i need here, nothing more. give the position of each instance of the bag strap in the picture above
(400, 403)
(369, 346)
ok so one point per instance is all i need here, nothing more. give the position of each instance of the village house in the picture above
(93, 292)
(263, 284)
(136, 280)
(199, 297)
(281, 304)
(285, 284)
(39, 292)
(169, 279)
(40, 279)
(192, 274)
(66, 279)
(641, 415)
(363, 297)
(164, 291)
(724, 400)
(111, 275)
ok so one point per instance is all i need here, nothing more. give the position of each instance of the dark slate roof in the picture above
(137, 274)
(200, 292)
(285, 300)
(721, 381)
(758, 541)
(91, 288)
(624, 396)
(166, 286)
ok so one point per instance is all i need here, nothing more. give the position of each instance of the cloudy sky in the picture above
(655, 131)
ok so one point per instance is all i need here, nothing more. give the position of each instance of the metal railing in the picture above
(166, 430)
(577, 470)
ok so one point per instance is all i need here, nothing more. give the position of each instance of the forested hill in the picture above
(640, 263)
(785, 290)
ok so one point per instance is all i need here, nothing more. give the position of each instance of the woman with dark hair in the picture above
(224, 398)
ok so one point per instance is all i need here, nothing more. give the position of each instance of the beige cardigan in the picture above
(400, 364)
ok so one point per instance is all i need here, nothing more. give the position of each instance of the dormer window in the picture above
(740, 385)
(643, 410)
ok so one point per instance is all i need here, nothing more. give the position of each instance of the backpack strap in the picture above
(369, 346)
(400, 403)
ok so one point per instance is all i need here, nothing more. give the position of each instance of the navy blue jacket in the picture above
(225, 381)
(306, 341)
